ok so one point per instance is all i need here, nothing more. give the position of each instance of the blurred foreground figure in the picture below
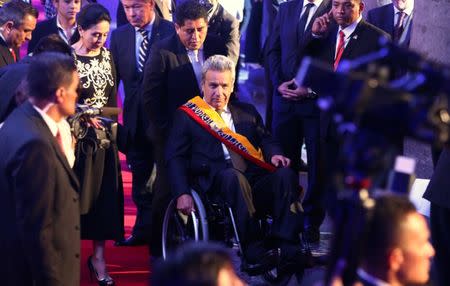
(39, 208)
(199, 264)
(397, 249)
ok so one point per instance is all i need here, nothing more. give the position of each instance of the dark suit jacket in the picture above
(10, 78)
(46, 28)
(123, 48)
(192, 151)
(169, 79)
(6, 58)
(284, 50)
(224, 25)
(39, 209)
(363, 41)
(383, 18)
(438, 189)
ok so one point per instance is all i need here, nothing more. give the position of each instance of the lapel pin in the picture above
(355, 37)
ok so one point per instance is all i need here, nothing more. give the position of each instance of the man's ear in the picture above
(8, 26)
(395, 259)
(361, 7)
(59, 95)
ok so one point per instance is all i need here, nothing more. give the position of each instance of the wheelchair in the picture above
(213, 221)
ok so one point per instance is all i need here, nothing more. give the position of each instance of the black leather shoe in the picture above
(265, 262)
(131, 241)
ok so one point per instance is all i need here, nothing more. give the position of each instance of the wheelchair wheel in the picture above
(178, 228)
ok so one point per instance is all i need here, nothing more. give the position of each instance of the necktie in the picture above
(59, 140)
(340, 49)
(13, 53)
(143, 50)
(398, 29)
(237, 160)
(196, 65)
(302, 22)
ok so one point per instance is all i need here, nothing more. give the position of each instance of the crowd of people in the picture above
(182, 120)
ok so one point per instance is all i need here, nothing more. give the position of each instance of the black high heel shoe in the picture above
(107, 281)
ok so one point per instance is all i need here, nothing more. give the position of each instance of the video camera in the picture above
(373, 102)
(83, 130)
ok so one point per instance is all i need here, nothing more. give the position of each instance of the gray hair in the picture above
(16, 11)
(219, 63)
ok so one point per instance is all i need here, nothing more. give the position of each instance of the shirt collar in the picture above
(52, 124)
(61, 27)
(315, 2)
(407, 11)
(225, 109)
(147, 27)
(3, 37)
(350, 28)
(369, 278)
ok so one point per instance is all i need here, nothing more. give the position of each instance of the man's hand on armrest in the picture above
(185, 204)
(280, 161)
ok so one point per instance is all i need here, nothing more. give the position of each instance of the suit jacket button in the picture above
(77, 227)
(77, 255)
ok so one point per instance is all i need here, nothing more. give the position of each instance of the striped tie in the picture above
(143, 50)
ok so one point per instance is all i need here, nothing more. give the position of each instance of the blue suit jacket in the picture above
(284, 50)
(122, 46)
(383, 18)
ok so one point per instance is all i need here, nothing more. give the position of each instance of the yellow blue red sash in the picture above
(210, 120)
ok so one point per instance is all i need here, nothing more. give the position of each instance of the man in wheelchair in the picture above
(221, 148)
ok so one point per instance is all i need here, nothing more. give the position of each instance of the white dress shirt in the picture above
(348, 31)
(140, 39)
(63, 33)
(64, 131)
(311, 11)
(228, 119)
(196, 59)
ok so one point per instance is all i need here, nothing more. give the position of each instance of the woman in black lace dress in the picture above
(97, 165)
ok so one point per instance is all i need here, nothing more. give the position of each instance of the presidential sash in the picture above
(210, 120)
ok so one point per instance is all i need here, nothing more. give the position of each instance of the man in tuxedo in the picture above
(395, 19)
(198, 154)
(40, 202)
(17, 22)
(63, 24)
(130, 47)
(172, 76)
(294, 120)
(397, 250)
